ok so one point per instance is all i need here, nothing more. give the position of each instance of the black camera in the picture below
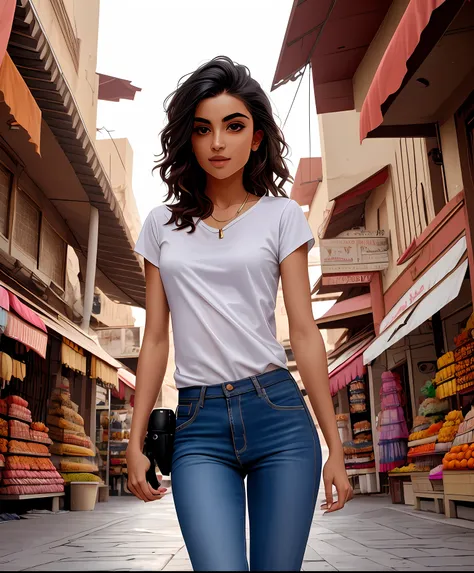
(159, 443)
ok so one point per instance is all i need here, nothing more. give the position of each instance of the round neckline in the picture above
(216, 230)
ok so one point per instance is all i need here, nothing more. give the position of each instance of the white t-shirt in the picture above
(222, 292)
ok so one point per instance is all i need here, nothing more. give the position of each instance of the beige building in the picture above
(65, 202)
(393, 83)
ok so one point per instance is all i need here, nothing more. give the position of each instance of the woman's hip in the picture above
(244, 420)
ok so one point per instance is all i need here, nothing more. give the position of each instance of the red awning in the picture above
(115, 89)
(127, 378)
(26, 312)
(308, 176)
(7, 10)
(348, 209)
(334, 36)
(339, 314)
(348, 365)
(31, 337)
(393, 66)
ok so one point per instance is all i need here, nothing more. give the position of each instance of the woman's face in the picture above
(223, 135)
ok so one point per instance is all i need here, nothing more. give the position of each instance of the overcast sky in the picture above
(155, 42)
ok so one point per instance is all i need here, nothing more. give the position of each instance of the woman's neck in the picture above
(226, 192)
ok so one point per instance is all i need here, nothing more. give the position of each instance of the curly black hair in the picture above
(266, 171)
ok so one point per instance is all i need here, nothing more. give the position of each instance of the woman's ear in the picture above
(257, 139)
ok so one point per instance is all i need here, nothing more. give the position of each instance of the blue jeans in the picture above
(259, 428)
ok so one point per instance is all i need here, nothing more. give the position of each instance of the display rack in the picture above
(102, 433)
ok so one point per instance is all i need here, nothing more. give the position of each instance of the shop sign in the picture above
(361, 232)
(355, 279)
(353, 254)
(433, 276)
(120, 342)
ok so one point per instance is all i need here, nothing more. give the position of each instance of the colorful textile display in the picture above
(392, 424)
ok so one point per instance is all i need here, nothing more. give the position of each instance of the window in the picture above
(6, 179)
(52, 261)
(27, 223)
(412, 189)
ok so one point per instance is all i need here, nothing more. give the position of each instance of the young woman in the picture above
(214, 258)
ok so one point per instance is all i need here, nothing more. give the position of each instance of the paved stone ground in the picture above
(127, 535)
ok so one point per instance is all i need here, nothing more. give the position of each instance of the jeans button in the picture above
(229, 387)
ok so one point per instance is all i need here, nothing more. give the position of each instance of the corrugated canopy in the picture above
(120, 272)
(334, 36)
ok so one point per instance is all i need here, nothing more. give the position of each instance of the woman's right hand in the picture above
(137, 465)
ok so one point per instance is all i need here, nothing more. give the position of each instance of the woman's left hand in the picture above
(334, 473)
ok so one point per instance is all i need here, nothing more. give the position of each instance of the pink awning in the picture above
(393, 66)
(26, 312)
(31, 337)
(348, 365)
(4, 299)
(7, 10)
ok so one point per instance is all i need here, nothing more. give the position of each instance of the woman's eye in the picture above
(236, 127)
(201, 130)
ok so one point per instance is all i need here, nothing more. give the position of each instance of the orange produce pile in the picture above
(423, 449)
(459, 458)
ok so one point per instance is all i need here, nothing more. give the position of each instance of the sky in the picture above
(153, 43)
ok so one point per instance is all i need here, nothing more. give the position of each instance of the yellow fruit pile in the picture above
(444, 360)
(459, 458)
(450, 427)
(445, 380)
(410, 468)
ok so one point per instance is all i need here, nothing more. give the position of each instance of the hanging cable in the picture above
(115, 145)
(308, 59)
(294, 98)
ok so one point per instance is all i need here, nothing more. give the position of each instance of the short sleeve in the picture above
(148, 242)
(294, 230)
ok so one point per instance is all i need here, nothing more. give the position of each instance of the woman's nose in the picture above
(217, 143)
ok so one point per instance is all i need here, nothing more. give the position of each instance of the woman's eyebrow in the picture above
(202, 120)
(233, 116)
(226, 118)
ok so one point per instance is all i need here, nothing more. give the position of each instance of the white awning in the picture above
(444, 292)
(79, 337)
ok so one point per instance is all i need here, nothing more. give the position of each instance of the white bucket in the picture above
(83, 495)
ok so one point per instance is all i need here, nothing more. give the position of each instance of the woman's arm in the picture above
(151, 370)
(308, 347)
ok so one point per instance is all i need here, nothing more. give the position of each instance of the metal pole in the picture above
(91, 267)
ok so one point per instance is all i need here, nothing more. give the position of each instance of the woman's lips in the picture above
(219, 162)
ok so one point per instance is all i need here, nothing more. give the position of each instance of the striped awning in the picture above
(33, 338)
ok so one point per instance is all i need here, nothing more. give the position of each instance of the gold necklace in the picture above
(221, 230)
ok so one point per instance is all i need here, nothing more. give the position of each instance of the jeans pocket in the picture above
(283, 396)
(186, 413)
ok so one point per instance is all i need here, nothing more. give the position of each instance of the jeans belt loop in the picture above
(202, 396)
(257, 386)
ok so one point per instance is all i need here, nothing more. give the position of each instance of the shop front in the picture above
(50, 374)
(423, 352)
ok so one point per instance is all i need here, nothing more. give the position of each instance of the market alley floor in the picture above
(127, 535)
